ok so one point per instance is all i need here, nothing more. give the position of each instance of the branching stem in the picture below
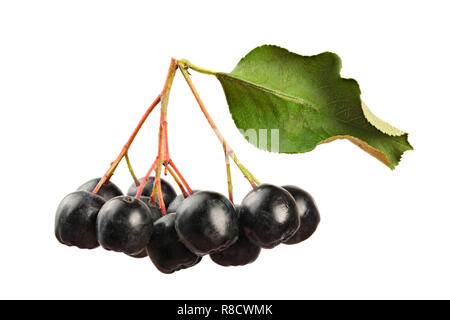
(144, 181)
(177, 180)
(124, 151)
(181, 177)
(161, 145)
(163, 157)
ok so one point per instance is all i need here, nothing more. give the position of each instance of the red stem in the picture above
(114, 165)
(144, 181)
(166, 146)
(179, 183)
(155, 182)
(164, 102)
(181, 177)
(167, 160)
(162, 205)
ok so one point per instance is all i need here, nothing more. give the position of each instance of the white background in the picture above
(76, 76)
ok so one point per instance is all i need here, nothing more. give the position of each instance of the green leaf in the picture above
(307, 101)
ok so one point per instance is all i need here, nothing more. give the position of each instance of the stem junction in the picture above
(163, 157)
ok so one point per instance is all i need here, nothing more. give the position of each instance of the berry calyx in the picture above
(124, 224)
(108, 190)
(308, 213)
(269, 215)
(207, 222)
(76, 219)
(165, 249)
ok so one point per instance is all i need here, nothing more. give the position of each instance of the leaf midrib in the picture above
(268, 90)
(293, 99)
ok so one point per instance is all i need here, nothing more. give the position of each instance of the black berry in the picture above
(75, 219)
(269, 215)
(308, 213)
(207, 222)
(240, 253)
(166, 250)
(124, 224)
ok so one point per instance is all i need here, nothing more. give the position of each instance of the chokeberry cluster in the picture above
(203, 223)
(176, 231)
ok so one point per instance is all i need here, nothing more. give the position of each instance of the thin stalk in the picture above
(166, 147)
(229, 182)
(181, 177)
(177, 180)
(144, 181)
(155, 185)
(188, 64)
(167, 161)
(164, 103)
(124, 151)
(253, 181)
(130, 168)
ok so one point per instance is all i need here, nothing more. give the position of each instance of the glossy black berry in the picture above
(155, 214)
(207, 222)
(269, 215)
(308, 213)
(75, 219)
(124, 224)
(166, 250)
(108, 190)
(168, 192)
(240, 253)
(177, 202)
